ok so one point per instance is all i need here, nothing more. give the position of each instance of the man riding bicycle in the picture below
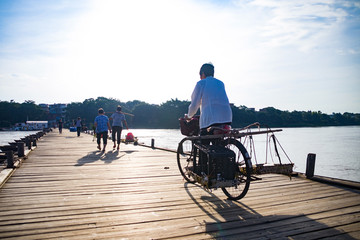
(210, 96)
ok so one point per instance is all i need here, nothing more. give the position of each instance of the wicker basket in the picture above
(190, 127)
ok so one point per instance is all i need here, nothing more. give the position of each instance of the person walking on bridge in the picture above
(78, 126)
(102, 125)
(118, 119)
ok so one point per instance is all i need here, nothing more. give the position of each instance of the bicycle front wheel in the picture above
(185, 156)
(243, 170)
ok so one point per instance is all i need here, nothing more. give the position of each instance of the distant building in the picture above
(56, 112)
(58, 109)
(44, 107)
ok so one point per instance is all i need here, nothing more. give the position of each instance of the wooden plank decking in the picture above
(66, 189)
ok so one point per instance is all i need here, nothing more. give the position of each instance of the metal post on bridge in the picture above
(10, 159)
(34, 142)
(21, 149)
(28, 142)
(310, 165)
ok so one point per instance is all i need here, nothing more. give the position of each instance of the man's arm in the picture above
(195, 100)
(126, 124)
(109, 127)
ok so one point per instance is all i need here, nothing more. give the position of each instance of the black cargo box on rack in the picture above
(221, 161)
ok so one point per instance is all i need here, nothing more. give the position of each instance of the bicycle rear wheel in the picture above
(243, 170)
(185, 154)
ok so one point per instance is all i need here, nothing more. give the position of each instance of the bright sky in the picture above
(291, 55)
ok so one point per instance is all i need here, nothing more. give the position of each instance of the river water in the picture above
(10, 136)
(337, 149)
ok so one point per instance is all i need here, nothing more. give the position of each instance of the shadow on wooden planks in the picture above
(239, 221)
(106, 157)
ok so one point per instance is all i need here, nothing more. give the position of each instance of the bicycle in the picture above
(225, 163)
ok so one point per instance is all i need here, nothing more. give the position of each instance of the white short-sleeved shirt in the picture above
(210, 95)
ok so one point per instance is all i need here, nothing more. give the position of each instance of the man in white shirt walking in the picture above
(210, 96)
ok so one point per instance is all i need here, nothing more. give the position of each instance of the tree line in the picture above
(166, 115)
(13, 112)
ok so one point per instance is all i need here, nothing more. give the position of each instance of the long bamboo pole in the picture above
(132, 115)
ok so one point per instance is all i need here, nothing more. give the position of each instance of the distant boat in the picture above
(31, 126)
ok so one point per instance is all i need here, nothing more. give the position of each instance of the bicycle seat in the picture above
(222, 129)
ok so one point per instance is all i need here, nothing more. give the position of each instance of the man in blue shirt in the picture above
(102, 125)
